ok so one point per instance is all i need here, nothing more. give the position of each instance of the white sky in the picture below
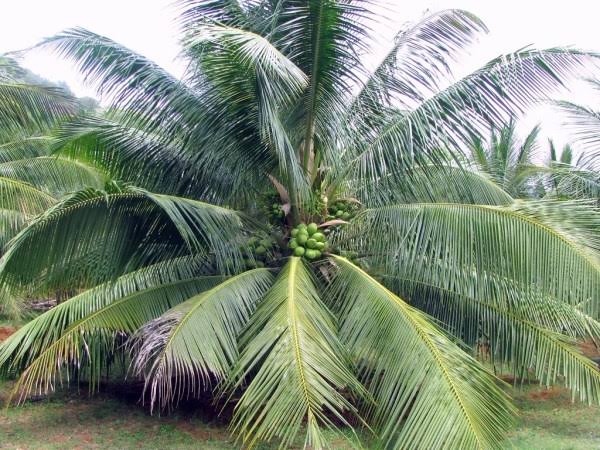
(148, 27)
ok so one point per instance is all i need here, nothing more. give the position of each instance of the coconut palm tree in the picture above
(31, 178)
(579, 176)
(515, 166)
(570, 175)
(354, 298)
(508, 161)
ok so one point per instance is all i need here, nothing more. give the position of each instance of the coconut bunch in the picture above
(276, 213)
(342, 209)
(258, 250)
(307, 241)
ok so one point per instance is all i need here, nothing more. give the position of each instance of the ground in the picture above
(112, 419)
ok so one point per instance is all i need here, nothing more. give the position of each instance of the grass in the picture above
(548, 421)
(103, 421)
(113, 419)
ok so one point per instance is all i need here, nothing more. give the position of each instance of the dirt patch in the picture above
(589, 349)
(547, 394)
(5, 332)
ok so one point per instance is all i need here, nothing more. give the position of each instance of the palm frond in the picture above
(144, 159)
(491, 95)
(194, 344)
(11, 222)
(91, 236)
(24, 106)
(325, 40)
(101, 329)
(577, 183)
(249, 72)
(195, 13)
(577, 221)
(443, 184)
(54, 175)
(584, 123)
(530, 335)
(23, 146)
(292, 347)
(418, 62)
(20, 202)
(18, 195)
(34, 337)
(429, 393)
(130, 81)
(464, 245)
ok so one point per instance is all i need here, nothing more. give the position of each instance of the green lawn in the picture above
(548, 421)
(108, 421)
(104, 421)
(66, 420)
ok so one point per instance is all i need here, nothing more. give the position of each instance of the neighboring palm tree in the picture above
(506, 160)
(584, 121)
(572, 177)
(277, 103)
(31, 178)
(580, 177)
(25, 106)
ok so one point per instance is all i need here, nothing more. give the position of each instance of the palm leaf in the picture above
(490, 95)
(92, 236)
(130, 154)
(20, 202)
(19, 146)
(129, 80)
(102, 328)
(195, 343)
(32, 107)
(530, 335)
(54, 175)
(443, 184)
(418, 62)
(429, 393)
(34, 337)
(584, 123)
(249, 72)
(291, 345)
(474, 242)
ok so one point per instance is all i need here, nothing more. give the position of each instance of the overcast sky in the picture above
(148, 27)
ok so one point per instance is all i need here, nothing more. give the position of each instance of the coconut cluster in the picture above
(307, 241)
(342, 210)
(276, 212)
(257, 251)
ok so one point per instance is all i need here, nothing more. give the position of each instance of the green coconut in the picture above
(312, 254)
(319, 237)
(311, 243)
(302, 237)
(299, 251)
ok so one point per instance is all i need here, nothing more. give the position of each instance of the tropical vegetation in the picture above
(297, 234)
